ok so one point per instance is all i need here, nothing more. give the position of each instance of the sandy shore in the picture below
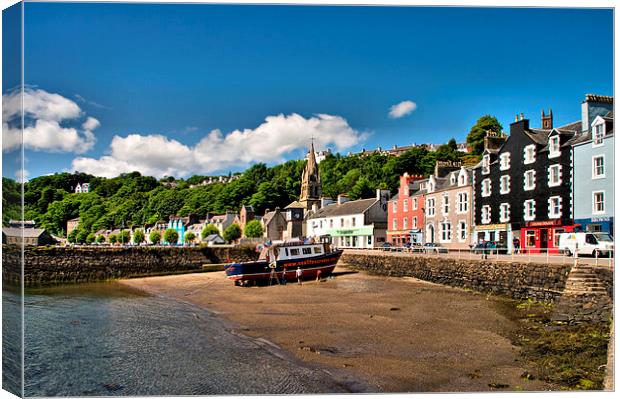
(396, 334)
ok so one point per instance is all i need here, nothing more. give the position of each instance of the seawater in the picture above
(107, 339)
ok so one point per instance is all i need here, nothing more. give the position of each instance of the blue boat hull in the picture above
(260, 270)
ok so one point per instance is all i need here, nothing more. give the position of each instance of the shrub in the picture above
(189, 237)
(138, 237)
(100, 239)
(171, 236)
(208, 230)
(155, 237)
(232, 233)
(124, 237)
(253, 229)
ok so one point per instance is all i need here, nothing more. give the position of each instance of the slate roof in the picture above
(347, 208)
(214, 237)
(27, 232)
(294, 204)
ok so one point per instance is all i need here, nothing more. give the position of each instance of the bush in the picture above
(253, 229)
(155, 237)
(208, 230)
(232, 233)
(124, 237)
(90, 238)
(138, 237)
(171, 236)
(72, 237)
(100, 239)
(81, 236)
(189, 237)
(113, 239)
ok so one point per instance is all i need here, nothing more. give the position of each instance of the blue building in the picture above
(593, 167)
(180, 224)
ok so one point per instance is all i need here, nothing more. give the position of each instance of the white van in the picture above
(595, 244)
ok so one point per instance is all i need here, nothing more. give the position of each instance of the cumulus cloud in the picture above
(276, 137)
(401, 109)
(48, 123)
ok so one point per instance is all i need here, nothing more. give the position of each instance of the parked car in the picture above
(595, 244)
(432, 247)
(416, 247)
(386, 246)
(491, 248)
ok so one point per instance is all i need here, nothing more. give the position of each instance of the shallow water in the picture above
(107, 339)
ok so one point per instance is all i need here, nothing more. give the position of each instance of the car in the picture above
(386, 246)
(431, 247)
(416, 247)
(491, 248)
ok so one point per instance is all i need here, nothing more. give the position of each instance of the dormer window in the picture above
(529, 154)
(486, 164)
(504, 161)
(452, 179)
(431, 187)
(597, 134)
(554, 146)
(462, 179)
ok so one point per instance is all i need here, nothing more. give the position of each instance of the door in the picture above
(430, 234)
(544, 240)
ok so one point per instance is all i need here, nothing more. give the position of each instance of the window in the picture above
(554, 146)
(504, 161)
(431, 186)
(463, 202)
(529, 154)
(414, 222)
(405, 224)
(486, 164)
(530, 238)
(341, 222)
(353, 221)
(453, 179)
(430, 207)
(446, 204)
(529, 210)
(320, 224)
(555, 207)
(462, 179)
(504, 184)
(598, 202)
(556, 237)
(331, 223)
(414, 204)
(406, 205)
(394, 224)
(597, 134)
(486, 214)
(529, 180)
(294, 251)
(306, 251)
(446, 231)
(486, 187)
(598, 167)
(555, 175)
(462, 230)
(504, 212)
(406, 191)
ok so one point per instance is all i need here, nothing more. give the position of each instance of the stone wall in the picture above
(47, 265)
(516, 280)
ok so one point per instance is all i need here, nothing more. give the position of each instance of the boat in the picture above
(314, 259)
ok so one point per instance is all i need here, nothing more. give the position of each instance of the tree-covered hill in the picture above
(132, 199)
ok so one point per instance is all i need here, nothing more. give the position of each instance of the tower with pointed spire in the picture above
(311, 182)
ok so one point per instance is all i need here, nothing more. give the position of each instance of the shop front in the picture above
(543, 236)
(399, 238)
(362, 237)
(603, 224)
(499, 233)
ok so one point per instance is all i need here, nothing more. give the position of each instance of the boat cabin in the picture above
(296, 251)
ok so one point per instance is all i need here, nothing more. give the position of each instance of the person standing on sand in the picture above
(298, 275)
(318, 275)
(284, 276)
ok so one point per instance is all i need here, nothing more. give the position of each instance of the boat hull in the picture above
(260, 270)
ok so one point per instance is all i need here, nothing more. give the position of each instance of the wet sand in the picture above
(395, 334)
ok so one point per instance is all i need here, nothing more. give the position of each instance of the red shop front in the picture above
(543, 236)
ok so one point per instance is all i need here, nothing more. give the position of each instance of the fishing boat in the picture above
(313, 259)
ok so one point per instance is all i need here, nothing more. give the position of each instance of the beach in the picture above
(391, 334)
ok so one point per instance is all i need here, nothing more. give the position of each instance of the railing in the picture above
(549, 255)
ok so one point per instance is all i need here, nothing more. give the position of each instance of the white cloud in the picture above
(21, 175)
(278, 136)
(45, 114)
(401, 109)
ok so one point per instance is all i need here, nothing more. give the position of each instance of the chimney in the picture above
(519, 126)
(383, 196)
(342, 198)
(593, 106)
(547, 120)
(494, 140)
(315, 208)
(326, 201)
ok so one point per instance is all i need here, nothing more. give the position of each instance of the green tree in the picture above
(100, 239)
(189, 237)
(362, 189)
(72, 237)
(208, 230)
(253, 229)
(124, 237)
(171, 236)
(155, 237)
(476, 135)
(81, 235)
(90, 238)
(232, 232)
(113, 239)
(138, 237)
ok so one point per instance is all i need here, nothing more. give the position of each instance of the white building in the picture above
(82, 188)
(352, 224)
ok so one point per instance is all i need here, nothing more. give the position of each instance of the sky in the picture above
(184, 89)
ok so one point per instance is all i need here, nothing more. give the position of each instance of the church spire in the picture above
(310, 181)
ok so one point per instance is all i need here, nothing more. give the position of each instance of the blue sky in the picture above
(158, 79)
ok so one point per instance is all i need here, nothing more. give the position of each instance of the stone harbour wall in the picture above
(517, 280)
(52, 265)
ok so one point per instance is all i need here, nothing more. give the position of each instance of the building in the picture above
(448, 198)
(160, 226)
(214, 239)
(523, 189)
(82, 188)
(26, 224)
(274, 224)
(593, 167)
(310, 184)
(181, 225)
(222, 222)
(352, 224)
(72, 224)
(406, 212)
(27, 236)
(319, 155)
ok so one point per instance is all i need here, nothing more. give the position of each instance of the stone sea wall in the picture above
(516, 280)
(50, 265)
